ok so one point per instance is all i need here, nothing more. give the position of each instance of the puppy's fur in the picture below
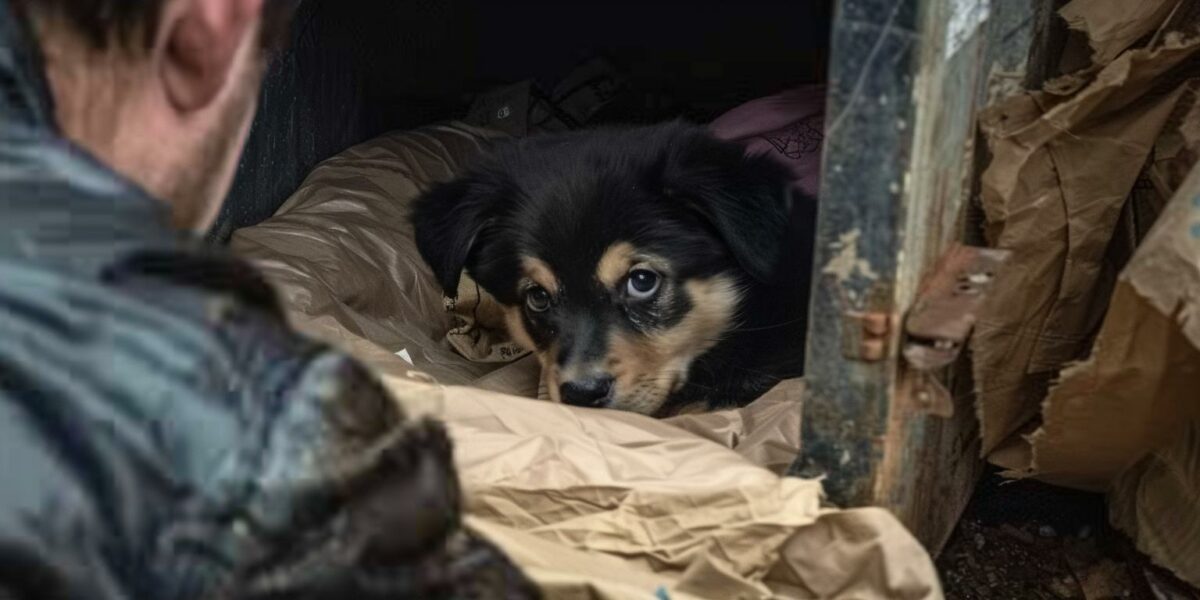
(556, 226)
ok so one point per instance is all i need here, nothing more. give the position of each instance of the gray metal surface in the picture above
(900, 164)
(869, 133)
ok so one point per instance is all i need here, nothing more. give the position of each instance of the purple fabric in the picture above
(789, 126)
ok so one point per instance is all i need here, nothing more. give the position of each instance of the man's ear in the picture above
(448, 220)
(748, 200)
(199, 44)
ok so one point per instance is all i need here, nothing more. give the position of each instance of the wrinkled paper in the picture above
(591, 503)
(1088, 354)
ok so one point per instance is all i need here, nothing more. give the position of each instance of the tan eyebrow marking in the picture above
(540, 273)
(614, 263)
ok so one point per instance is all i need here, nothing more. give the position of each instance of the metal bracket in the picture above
(865, 335)
(941, 319)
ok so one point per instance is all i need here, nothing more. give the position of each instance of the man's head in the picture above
(162, 90)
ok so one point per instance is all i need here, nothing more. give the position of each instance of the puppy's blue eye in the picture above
(642, 283)
(537, 299)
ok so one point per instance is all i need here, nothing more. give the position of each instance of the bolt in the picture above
(875, 324)
(871, 350)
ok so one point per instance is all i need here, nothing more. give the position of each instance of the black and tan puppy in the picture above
(653, 269)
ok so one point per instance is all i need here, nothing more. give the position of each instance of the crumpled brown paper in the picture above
(1112, 26)
(766, 432)
(1127, 420)
(342, 252)
(592, 504)
(1155, 503)
(614, 505)
(1079, 174)
(1062, 170)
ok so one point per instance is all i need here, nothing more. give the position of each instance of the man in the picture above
(163, 434)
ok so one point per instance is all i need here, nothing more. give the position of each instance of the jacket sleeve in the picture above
(172, 445)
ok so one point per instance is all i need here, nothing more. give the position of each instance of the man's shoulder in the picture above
(185, 354)
(89, 257)
(205, 316)
(95, 280)
(165, 387)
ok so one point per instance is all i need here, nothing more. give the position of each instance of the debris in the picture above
(1017, 534)
(1047, 531)
(1165, 587)
(1065, 587)
(1103, 580)
(999, 552)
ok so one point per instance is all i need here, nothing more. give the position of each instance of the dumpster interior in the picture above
(375, 101)
(353, 73)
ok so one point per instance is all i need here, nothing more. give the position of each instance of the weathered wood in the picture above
(907, 77)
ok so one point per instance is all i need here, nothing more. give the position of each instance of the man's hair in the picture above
(133, 23)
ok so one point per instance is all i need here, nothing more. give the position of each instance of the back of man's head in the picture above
(163, 91)
(133, 23)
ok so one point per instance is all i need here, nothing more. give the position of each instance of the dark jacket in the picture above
(164, 435)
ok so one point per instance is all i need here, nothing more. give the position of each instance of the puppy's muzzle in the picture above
(590, 392)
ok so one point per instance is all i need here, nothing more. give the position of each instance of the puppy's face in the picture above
(620, 256)
(617, 320)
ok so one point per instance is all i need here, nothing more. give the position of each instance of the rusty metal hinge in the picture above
(865, 335)
(941, 319)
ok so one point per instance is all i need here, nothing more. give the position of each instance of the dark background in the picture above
(356, 69)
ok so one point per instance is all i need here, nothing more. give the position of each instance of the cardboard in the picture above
(591, 503)
(1079, 174)
(1127, 420)
(1155, 503)
(1112, 26)
(1055, 192)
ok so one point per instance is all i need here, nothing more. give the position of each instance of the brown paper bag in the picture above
(592, 504)
(1127, 420)
(614, 505)
(1054, 193)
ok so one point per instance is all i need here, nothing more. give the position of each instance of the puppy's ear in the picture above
(747, 199)
(448, 220)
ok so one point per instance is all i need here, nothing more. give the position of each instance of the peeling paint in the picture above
(846, 263)
(965, 18)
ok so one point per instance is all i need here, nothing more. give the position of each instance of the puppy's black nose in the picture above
(588, 392)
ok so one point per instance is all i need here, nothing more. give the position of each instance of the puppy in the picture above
(653, 269)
